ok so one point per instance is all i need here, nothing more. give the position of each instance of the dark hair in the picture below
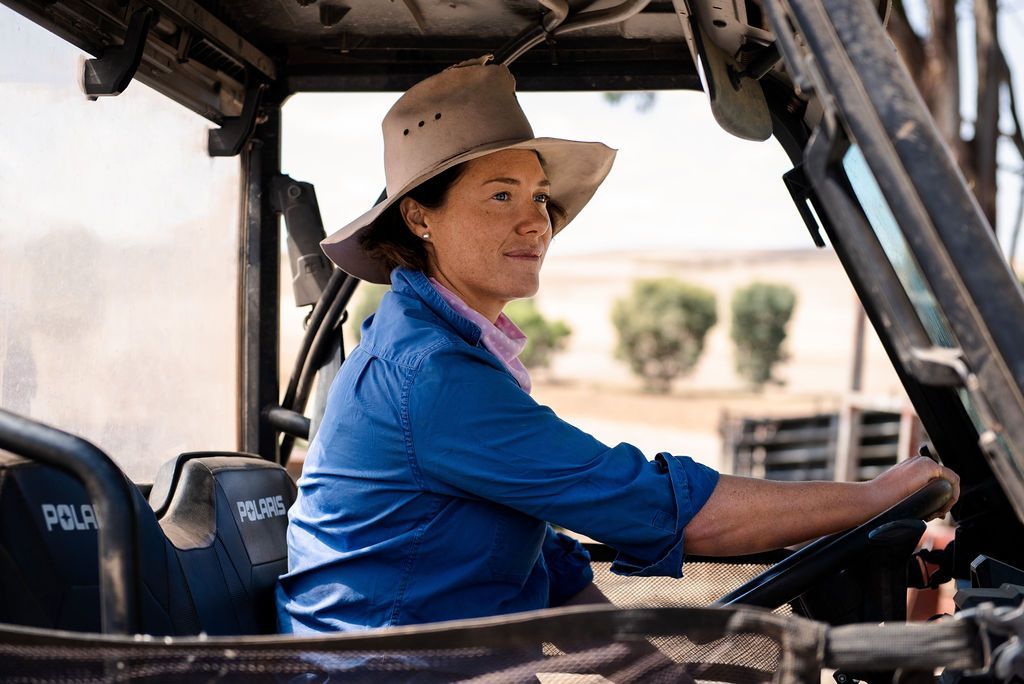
(390, 240)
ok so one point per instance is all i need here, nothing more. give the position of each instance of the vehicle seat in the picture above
(49, 565)
(226, 515)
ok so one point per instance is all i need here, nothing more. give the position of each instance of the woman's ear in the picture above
(414, 216)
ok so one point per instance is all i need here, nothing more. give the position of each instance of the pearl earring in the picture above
(426, 236)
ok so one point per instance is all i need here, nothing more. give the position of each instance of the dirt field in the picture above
(698, 411)
(680, 423)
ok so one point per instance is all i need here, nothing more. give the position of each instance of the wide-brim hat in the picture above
(467, 111)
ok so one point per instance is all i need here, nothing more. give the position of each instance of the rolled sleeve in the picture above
(692, 484)
(473, 432)
(568, 566)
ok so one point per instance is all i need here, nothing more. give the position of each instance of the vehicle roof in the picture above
(201, 53)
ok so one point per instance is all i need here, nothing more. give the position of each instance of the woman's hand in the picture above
(905, 478)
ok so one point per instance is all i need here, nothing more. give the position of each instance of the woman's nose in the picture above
(536, 219)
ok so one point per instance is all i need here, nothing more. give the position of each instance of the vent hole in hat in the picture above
(437, 116)
(405, 132)
(421, 124)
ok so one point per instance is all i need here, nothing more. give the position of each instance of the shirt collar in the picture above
(416, 282)
(503, 338)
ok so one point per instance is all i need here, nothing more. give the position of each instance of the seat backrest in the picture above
(226, 515)
(49, 564)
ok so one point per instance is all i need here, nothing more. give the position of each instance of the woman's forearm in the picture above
(747, 515)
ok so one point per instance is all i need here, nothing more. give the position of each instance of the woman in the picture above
(428, 491)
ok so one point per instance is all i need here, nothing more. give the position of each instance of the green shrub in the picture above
(367, 299)
(760, 313)
(543, 337)
(662, 325)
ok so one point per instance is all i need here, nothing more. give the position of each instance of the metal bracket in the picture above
(936, 362)
(803, 68)
(939, 366)
(800, 190)
(111, 73)
(778, 13)
(235, 131)
(763, 63)
(311, 270)
(737, 102)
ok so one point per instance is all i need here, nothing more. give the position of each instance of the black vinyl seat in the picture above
(49, 566)
(226, 516)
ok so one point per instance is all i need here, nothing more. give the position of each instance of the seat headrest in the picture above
(170, 472)
(251, 495)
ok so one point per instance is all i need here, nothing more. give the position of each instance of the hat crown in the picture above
(464, 107)
(465, 112)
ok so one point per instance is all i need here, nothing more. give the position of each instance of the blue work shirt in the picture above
(427, 491)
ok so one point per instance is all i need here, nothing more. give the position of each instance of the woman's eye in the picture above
(503, 195)
(541, 198)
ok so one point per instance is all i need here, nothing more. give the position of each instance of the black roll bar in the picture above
(316, 318)
(315, 343)
(112, 501)
(322, 340)
(291, 423)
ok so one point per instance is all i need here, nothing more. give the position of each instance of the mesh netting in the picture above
(684, 654)
(571, 645)
(703, 584)
(739, 658)
(558, 646)
(659, 659)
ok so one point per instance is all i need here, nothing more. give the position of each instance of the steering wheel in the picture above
(792, 576)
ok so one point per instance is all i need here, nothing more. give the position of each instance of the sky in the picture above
(674, 183)
(679, 181)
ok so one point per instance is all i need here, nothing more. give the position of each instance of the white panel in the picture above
(118, 244)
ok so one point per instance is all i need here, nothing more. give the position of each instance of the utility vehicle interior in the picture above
(89, 560)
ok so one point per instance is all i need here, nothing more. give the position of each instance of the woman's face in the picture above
(489, 238)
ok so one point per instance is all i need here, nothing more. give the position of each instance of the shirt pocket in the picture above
(515, 546)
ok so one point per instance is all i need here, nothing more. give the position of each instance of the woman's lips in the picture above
(523, 255)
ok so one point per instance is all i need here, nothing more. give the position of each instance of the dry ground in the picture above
(682, 422)
(698, 411)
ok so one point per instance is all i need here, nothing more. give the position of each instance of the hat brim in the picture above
(575, 170)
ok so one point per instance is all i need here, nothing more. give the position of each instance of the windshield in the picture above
(118, 243)
(884, 225)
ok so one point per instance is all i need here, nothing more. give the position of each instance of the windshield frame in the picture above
(867, 96)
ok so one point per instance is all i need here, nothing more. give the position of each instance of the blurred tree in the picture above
(760, 313)
(643, 100)
(931, 51)
(543, 337)
(662, 325)
(368, 296)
